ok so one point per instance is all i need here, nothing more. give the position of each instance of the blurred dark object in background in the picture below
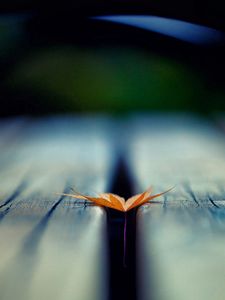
(57, 58)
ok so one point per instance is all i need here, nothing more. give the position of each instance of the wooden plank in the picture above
(180, 237)
(54, 247)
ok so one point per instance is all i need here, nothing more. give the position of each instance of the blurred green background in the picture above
(91, 66)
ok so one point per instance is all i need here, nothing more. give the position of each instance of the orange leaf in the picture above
(116, 202)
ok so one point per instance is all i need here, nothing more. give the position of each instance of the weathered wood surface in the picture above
(180, 237)
(53, 247)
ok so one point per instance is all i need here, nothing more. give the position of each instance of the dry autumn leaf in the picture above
(116, 202)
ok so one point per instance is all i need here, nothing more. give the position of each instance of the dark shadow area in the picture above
(122, 278)
(108, 66)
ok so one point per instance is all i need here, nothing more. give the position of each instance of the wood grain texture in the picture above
(181, 236)
(54, 247)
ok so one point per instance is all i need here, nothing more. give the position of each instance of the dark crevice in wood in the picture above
(165, 204)
(28, 256)
(20, 188)
(122, 280)
(5, 212)
(34, 237)
(214, 204)
(191, 193)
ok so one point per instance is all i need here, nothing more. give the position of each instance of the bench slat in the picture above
(181, 236)
(54, 247)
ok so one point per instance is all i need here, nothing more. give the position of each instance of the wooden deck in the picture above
(55, 247)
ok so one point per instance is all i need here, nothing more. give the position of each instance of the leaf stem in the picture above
(125, 240)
